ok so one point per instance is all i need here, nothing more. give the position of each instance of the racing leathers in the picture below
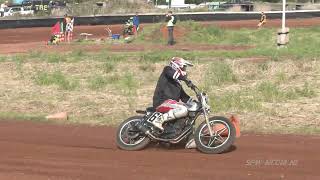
(168, 93)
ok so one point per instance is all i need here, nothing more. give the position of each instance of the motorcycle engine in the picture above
(172, 129)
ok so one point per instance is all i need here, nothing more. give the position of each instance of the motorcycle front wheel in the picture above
(128, 137)
(224, 135)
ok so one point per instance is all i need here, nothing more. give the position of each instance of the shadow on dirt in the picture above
(179, 147)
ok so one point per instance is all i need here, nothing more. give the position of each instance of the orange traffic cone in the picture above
(223, 130)
(236, 122)
(224, 133)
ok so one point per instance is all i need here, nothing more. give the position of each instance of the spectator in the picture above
(136, 23)
(50, 5)
(3, 6)
(68, 27)
(170, 19)
(263, 20)
(64, 24)
(129, 27)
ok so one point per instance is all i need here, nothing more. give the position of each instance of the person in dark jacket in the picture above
(169, 91)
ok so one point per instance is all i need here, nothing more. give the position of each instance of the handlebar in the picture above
(192, 86)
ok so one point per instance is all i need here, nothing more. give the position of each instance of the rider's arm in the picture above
(184, 96)
(174, 74)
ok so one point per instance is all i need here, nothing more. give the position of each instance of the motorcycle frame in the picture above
(202, 110)
(183, 135)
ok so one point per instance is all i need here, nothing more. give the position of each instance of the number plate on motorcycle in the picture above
(154, 116)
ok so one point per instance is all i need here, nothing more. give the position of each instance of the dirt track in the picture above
(42, 151)
(22, 35)
(26, 39)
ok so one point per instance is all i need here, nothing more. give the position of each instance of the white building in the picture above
(177, 3)
(174, 4)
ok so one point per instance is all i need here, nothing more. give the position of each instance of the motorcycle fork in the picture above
(207, 121)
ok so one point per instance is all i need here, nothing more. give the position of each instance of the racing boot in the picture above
(191, 144)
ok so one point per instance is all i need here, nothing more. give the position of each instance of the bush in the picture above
(55, 78)
(97, 82)
(219, 73)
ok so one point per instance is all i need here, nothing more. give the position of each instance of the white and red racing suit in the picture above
(169, 92)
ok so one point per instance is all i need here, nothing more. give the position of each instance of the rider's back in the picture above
(168, 87)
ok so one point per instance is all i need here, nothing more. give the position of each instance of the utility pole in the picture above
(283, 14)
(283, 33)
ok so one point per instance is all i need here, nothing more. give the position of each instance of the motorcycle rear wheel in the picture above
(210, 145)
(128, 137)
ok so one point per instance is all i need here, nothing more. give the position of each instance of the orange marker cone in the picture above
(236, 122)
(224, 133)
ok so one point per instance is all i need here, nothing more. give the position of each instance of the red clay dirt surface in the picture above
(40, 151)
(23, 40)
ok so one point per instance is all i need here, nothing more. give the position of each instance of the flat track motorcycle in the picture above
(214, 135)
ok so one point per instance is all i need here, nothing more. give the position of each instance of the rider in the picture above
(169, 92)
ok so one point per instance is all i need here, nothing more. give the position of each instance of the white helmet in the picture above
(180, 64)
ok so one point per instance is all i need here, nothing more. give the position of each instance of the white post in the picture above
(283, 33)
(283, 15)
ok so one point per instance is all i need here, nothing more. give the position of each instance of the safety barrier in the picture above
(153, 18)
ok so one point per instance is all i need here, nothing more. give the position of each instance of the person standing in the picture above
(129, 27)
(263, 20)
(171, 21)
(136, 23)
(3, 7)
(64, 26)
(68, 23)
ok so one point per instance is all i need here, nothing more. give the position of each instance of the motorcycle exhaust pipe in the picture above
(173, 141)
(146, 131)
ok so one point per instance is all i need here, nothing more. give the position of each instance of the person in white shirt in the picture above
(170, 19)
(3, 6)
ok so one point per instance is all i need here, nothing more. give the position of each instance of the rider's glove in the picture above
(190, 100)
(183, 77)
(189, 83)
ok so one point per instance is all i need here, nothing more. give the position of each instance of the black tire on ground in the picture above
(225, 146)
(128, 147)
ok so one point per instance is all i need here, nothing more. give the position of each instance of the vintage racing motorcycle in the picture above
(214, 135)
